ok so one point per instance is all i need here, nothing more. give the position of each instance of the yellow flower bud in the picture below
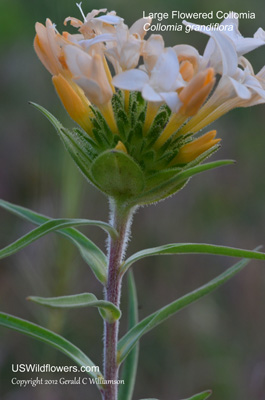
(74, 101)
(192, 150)
(120, 146)
(194, 95)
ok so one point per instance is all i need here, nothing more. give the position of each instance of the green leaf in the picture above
(117, 174)
(93, 256)
(170, 186)
(81, 153)
(54, 121)
(130, 365)
(201, 396)
(191, 248)
(51, 338)
(42, 230)
(129, 340)
(189, 172)
(107, 310)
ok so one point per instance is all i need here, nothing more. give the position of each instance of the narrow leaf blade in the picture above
(187, 173)
(52, 339)
(107, 309)
(92, 255)
(129, 340)
(192, 248)
(54, 121)
(44, 229)
(169, 186)
(201, 396)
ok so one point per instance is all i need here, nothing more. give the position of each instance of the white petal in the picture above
(138, 27)
(180, 83)
(227, 52)
(150, 94)
(261, 73)
(172, 101)
(152, 49)
(89, 86)
(110, 19)
(234, 34)
(154, 45)
(94, 13)
(77, 60)
(260, 34)
(186, 50)
(105, 37)
(252, 81)
(165, 71)
(130, 54)
(245, 45)
(240, 89)
(133, 79)
(259, 91)
(230, 21)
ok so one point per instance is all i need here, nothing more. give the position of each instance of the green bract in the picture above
(136, 173)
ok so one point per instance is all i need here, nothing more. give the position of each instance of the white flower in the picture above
(226, 45)
(47, 44)
(153, 47)
(93, 25)
(248, 86)
(242, 45)
(89, 73)
(162, 83)
(126, 47)
(243, 89)
(220, 52)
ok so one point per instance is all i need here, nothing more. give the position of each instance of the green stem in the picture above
(121, 217)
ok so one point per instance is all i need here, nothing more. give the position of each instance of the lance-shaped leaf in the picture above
(43, 230)
(201, 396)
(129, 340)
(107, 309)
(93, 256)
(130, 365)
(160, 188)
(52, 339)
(191, 248)
(80, 151)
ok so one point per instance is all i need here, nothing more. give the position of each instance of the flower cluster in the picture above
(151, 111)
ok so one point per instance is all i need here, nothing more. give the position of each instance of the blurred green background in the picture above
(217, 343)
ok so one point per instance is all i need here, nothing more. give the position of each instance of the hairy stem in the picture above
(121, 220)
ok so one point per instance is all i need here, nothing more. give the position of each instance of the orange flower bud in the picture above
(195, 94)
(192, 150)
(74, 101)
(120, 146)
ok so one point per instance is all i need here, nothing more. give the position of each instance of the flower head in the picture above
(141, 119)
